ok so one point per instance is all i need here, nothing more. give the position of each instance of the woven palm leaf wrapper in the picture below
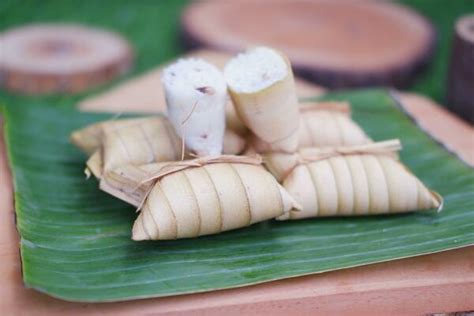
(357, 180)
(203, 196)
(136, 141)
(322, 124)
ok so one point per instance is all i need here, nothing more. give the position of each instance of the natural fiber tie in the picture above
(308, 155)
(173, 167)
(379, 148)
(177, 166)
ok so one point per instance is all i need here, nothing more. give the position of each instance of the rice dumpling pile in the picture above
(187, 176)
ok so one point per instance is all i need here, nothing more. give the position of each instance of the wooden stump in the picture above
(334, 43)
(460, 92)
(65, 58)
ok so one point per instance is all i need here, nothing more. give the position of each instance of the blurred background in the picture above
(154, 31)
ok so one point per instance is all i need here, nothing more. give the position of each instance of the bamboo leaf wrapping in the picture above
(136, 141)
(146, 141)
(360, 184)
(208, 200)
(202, 196)
(271, 113)
(90, 138)
(322, 124)
(281, 164)
(329, 128)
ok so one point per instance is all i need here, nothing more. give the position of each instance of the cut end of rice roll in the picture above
(255, 70)
(196, 96)
(194, 77)
(262, 88)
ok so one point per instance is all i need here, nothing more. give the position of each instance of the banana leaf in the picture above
(75, 239)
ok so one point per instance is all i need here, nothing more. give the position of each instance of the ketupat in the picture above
(262, 89)
(361, 180)
(196, 97)
(199, 197)
(136, 141)
(322, 124)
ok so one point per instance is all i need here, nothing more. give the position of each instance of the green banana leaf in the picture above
(75, 239)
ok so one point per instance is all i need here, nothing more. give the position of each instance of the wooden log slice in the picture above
(333, 43)
(65, 58)
(460, 92)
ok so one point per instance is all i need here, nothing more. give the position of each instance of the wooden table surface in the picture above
(442, 282)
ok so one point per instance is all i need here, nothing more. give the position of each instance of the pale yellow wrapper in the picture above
(209, 200)
(149, 140)
(322, 124)
(271, 113)
(136, 141)
(344, 184)
(281, 164)
(198, 197)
